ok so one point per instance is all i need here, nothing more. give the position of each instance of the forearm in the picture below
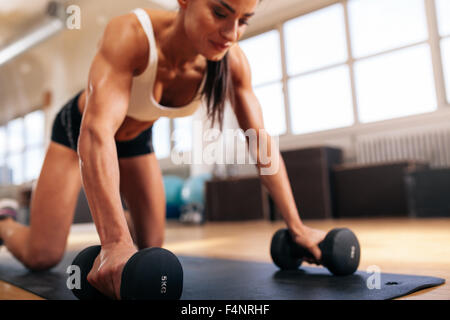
(273, 175)
(280, 190)
(100, 173)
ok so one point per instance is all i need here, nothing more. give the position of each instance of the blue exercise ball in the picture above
(194, 189)
(172, 189)
(193, 197)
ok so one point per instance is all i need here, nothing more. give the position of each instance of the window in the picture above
(445, 48)
(183, 134)
(319, 91)
(5, 173)
(161, 138)
(315, 40)
(34, 158)
(15, 163)
(5, 177)
(272, 103)
(22, 149)
(264, 55)
(2, 143)
(443, 17)
(16, 141)
(34, 129)
(357, 58)
(393, 70)
(395, 84)
(34, 141)
(381, 25)
(321, 101)
(178, 140)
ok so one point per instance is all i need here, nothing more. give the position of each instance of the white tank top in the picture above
(142, 105)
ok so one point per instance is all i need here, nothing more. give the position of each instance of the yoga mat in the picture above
(222, 279)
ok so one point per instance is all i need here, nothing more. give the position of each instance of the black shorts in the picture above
(66, 129)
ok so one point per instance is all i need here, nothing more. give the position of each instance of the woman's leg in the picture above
(42, 244)
(142, 187)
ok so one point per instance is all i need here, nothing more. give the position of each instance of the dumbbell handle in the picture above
(300, 252)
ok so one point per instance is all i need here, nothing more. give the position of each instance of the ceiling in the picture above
(8, 6)
(16, 15)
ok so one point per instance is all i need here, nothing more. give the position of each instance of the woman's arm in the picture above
(108, 93)
(272, 173)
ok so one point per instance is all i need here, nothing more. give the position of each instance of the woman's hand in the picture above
(309, 239)
(106, 272)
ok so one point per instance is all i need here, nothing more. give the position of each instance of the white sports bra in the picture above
(142, 105)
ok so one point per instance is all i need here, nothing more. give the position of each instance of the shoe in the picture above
(8, 209)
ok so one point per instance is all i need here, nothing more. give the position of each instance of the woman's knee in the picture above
(41, 259)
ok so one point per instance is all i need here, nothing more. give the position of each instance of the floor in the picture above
(408, 246)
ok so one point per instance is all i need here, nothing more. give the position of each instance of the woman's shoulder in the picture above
(239, 66)
(129, 25)
(123, 41)
(161, 19)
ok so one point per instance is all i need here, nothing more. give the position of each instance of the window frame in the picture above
(433, 41)
(289, 139)
(26, 147)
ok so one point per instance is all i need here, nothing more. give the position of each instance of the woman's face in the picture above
(213, 26)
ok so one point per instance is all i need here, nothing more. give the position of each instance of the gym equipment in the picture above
(150, 274)
(236, 198)
(193, 197)
(361, 193)
(340, 251)
(193, 190)
(236, 280)
(172, 189)
(427, 192)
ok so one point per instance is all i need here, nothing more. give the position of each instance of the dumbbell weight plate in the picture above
(84, 260)
(152, 274)
(343, 248)
(281, 251)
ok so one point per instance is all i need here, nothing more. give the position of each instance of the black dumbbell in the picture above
(150, 274)
(340, 251)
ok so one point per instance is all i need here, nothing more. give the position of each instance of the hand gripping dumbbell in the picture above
(340, 251)
(150, 274)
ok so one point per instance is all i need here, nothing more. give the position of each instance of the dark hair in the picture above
(218, 87)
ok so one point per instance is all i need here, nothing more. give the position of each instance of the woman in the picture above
(167, 61)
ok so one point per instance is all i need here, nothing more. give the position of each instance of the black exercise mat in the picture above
(220, 279)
